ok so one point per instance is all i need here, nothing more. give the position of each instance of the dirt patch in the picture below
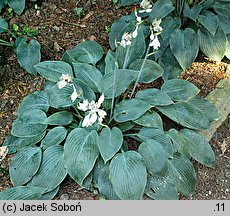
(60, 29)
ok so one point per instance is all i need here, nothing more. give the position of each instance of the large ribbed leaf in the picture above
(184, 46)
(22, 193)
(155, 157)
(24, 165)
(169, 25)
(200, 149)
(89, 74)
(212, 46)
(36, 100)
(150, 119)
(127, 2)
(86, 52)
(29, 55)
(150, 72)
(59, 118)
(110, 142)
(161, 9)
(161, 188)
(110, 62)
(116, 82)
(3, 25)
(156, 135)
(17, 5)
(52, 171)
(133, 52)
(80, 153)
(222, 7)
(179, 90)
(182, 173)
(210, 21)
(130, 110)
(54, 137)
(29, 124)
(52, 70)
(224, 23)
(193, 12)
(154, 97)
(206, 107)
(50, 195)
(186, 115)
(127, 173)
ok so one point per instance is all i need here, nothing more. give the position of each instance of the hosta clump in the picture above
(84, 123)
(189, 26)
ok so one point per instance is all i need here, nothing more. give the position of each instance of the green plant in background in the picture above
(79, 11)
(91, 114)
(189, 26)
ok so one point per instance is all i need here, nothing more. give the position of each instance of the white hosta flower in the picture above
(3, 152)
(64, 80)
(146, 5)
(155, 43)
(126, 40)
(94, 112)
(138, 18)
(156, 25)
(74, 95)
(135, 32)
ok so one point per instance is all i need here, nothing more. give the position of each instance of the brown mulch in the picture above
(60, 29)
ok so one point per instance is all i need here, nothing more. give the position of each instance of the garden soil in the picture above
(59, 29)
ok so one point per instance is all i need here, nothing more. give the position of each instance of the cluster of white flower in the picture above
(65, 79)
(94, 112)
(154, 41)
(3, 152)
(146, 6)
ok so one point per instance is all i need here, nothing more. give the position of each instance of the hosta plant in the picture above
(94, 123)
(17, 5)
(190, 26)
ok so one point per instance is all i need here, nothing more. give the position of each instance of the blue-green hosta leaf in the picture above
(212, 46)
(52, 70)
(133, 52)
(154, 97)
(150, 119)
(182, 173)
(54, 137)
(124, 24)
(179, 143)
(24, 165)
(89, 74)
(3, 25)
(110, 62)
(29, 55)
(210, 21)
(127, 173)
(127, 2)
(17, 5)
(184, 46)
(193, 12)
(126, 126)
(116, 82)
(161, 9)
(227, 53)
(150, 72)
(169, 25)
(179, 90)
(207, 4)
(36, 100)
(200, 149)
(187, 115)
(222, 8)
(17, 143)
(155, 157)
(86, 52)
(206, 107)
(59, 118)
(2, 3)
(80, 153)
(224, 23)
(156, 135)
(161, 188)
(172, 69)
(22, 193)
(110, 142)
(52, 171)
(50, 195)
(29, 124)
(130, 110)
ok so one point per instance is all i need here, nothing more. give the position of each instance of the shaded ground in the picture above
(60, 29)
